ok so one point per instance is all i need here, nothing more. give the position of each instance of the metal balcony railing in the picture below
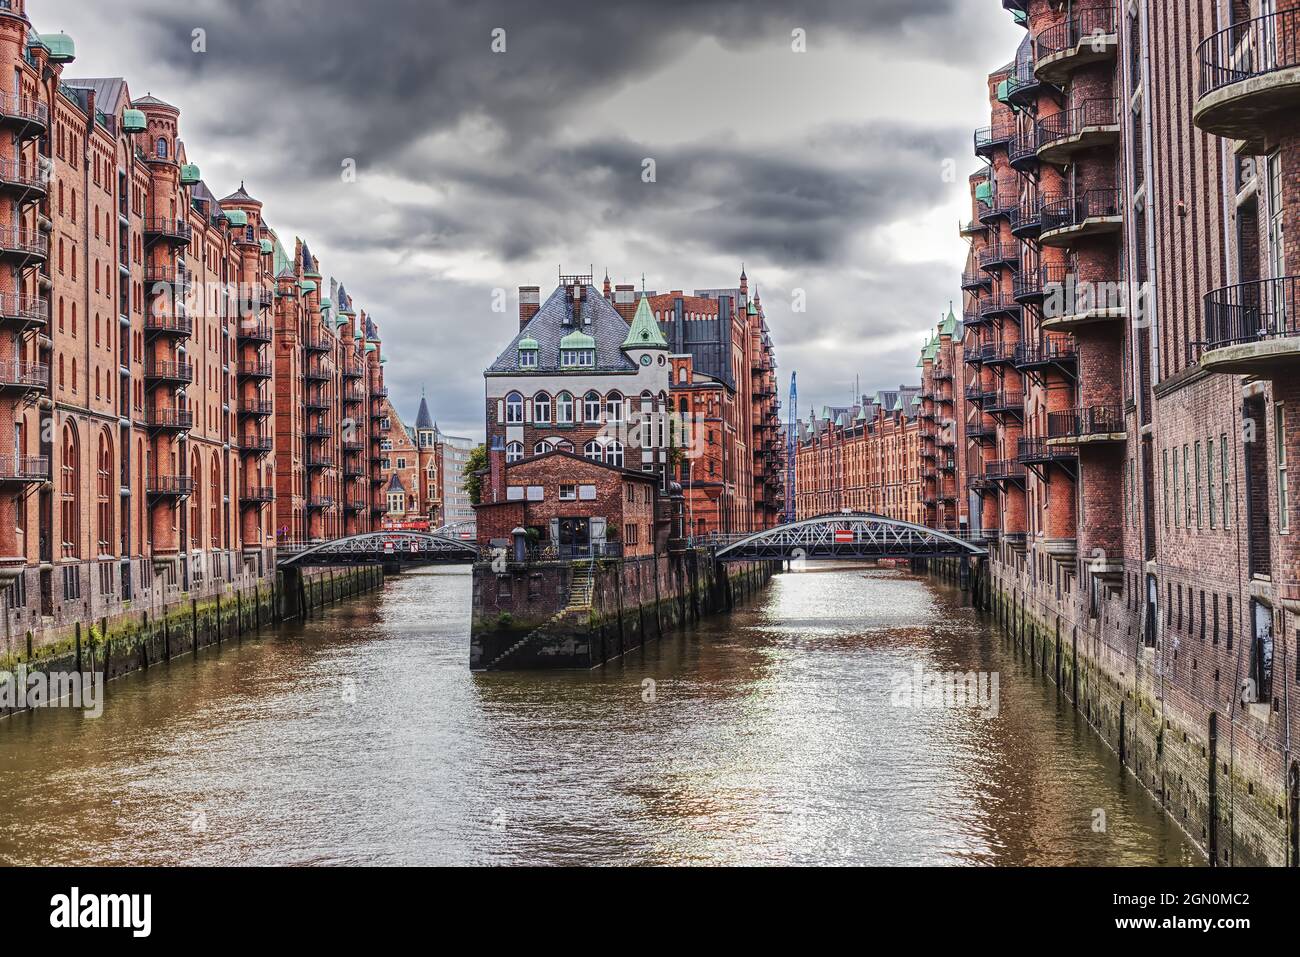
(1060, 211)
(1035, 450)
(1248, 49)
(27, 177)
(159, 418)
(256, 370)
(1096, 22)
(21, 241)
(258, 494)
(1052, 348)
(1251, 312)
(1093, 112)
(991, 137)
(174, 229)
(16, 374)
(1002, 470)
(1082, 422)
(24, 468)
(169, 485)
(24, 109)
(30, 309)
(255, 332)
(172, 325)
(167, 369)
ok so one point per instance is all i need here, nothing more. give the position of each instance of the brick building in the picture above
(867, 457)
(412, 470)
(686, 385)
(141, 367)
(1130, 358)
(570, 505)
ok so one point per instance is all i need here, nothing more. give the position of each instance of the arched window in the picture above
(541, 448)
(104, 491)
(541, 409)
(514, 452)
(196, 501)
(161, 148)
(681, 375)
(514, 409)
(216, 528)
(591, 407)
(593, 451)
(564, 409)
(614, 454)
(564, 446)
(70, 494)
(614, 407)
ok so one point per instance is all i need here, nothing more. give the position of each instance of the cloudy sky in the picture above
(479, 170)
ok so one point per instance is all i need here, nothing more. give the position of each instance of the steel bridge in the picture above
(388, 548)
(855, 536)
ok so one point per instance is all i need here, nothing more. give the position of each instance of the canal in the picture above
(776, 734)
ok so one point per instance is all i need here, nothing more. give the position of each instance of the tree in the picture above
(477, 462)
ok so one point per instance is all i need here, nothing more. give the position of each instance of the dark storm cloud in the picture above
(474, 163)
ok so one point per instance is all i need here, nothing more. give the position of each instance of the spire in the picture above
(606, 289)
(645, 332)
(423, 420)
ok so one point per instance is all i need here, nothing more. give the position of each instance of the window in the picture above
(614, 454)
(160, 150)
(591, 407)
(1200, 518)
(1178, 511)
(593, 451)
(514, 452)
(514, 409)
(104, 490)
(1187, 484)
(542, 447)
(541, 409)
(1167, 485)
(564, 409)
(69, 495)
(614, 407)
(1211, 505)
(528, 358)
(1223, 476)
(578, 358)
(568, 493)
(1283, 493)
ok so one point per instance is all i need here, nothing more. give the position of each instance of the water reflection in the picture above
(765, 737)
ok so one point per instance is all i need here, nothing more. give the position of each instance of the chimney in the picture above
(497, 470)
(625, 300)
(530, 299)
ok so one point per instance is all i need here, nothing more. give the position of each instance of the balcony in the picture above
(169, 420)
(25, 114)
(18, 376)
(353, 370)
(972, 228)
(1094, 212)
(1005, 403)
(1036, 450)
(998, 206)
(1091, 125)
(1027, 220)
(1022, 151)
(1089, 425)
(254, 332)
(256, 370)
(999, 305)
(1053, 351)
(353, 397)
(258, 408)
(24, 311)
(1250, 80)
(319, 431)
(320, 501)
(1000, 255)
(1090, 36)
(972, 281)
(175, 231)
(999, 353)
(992, 138)
(260, 495)
(23, 181)
(1004, 470)
(379, 392)
(351, 471)
(164, 325)
(164, 370)
(24, 469)
(977, 431)
(169, 486)
(256, 442)
(1070, 303)
(164, 274)
(320, 460)
(1252, 329)
(23, 246)
(357, 505)
(318, 372)
(317, 344)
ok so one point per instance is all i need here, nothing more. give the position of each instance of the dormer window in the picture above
(578, 359)
(528, 353)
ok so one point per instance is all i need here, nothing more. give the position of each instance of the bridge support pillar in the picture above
(292, 597)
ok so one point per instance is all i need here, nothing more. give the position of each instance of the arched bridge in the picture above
(413, 548)
(848, 535)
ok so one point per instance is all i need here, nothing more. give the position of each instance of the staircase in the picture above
(580, 589)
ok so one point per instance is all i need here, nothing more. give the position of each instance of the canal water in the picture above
(786, 732)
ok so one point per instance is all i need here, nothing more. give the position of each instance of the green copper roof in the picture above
(133, 121)
(644, 333)
(237, 217)
(312, 274)
(326, 304)
(60, 45)
(341, 321)
(579, 340)
(307, 286)
(984, 192)
(862, 414)
(949, 327)
(898, 406)
(371, 347)
(383, 360)
(267, 246)
(281, 259)
(527, 343)
(190, 174)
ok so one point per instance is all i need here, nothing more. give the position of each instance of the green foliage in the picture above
(505, 621)
(478, 460)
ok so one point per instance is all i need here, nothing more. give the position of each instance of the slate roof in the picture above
(149, 100)
(239, 196)
(423, 420)
(599, 320)
(108, 90)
